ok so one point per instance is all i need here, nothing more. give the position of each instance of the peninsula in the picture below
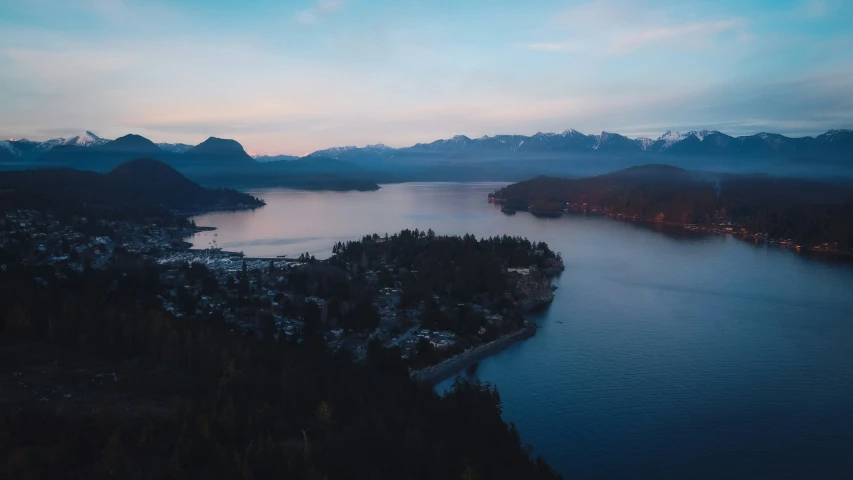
(124, 352)
(803, 214)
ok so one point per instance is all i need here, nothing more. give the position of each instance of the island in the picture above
(789, 212)
(125, 353)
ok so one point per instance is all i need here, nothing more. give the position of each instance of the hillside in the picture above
(7, 152)
(808, 212)
(141, 185)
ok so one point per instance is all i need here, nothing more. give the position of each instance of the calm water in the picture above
(664, 355)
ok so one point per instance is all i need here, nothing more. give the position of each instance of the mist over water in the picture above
(665, 354)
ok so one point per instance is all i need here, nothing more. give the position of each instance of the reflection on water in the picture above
(295, 222)
(666, 354)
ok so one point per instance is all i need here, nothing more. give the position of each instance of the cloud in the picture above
(551, 46)
(415, 79)
(320, 9)
(631, 40)
(620, 27)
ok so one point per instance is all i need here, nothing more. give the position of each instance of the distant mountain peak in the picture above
(379, 146)
(86, 139)
(132, 138)
(333, 152)
(217, 143)
(670, 138)
(837, 134)
(174, 147)
(221, 141)
(220, 148)
(600, 139)
(6, 145)
(644, 142)
(701, 134)
(134, 143)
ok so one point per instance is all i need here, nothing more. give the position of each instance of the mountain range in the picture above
(574, 154)
(214, 162)
(697, 143)
(219, 161)
(837, 142)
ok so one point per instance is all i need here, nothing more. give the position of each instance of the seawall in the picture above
(446, 369)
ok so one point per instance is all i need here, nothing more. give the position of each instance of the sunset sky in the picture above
(296, 76)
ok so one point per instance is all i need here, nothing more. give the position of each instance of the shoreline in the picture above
(198, 213)
(437, 373)
(773, 242)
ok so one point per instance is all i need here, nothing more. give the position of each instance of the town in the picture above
(719, 225)
(431, 297)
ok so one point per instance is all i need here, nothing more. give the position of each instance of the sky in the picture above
(294, 76)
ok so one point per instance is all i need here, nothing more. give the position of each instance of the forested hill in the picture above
(808, 212)
(139, 185)
(136, 392)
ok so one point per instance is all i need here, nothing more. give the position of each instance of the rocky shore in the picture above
(534, 290)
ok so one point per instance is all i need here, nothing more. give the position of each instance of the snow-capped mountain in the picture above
(833, 148)
(333, 152)
(457, 143)
(613, 142)
(834, 136)
(86, 139)
(644, 142)
(670, 138)
(379, 147)
(174, 147)
(338, 153)
(701, 143)
(8, 147)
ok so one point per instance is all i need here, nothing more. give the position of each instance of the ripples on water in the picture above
(666, 354)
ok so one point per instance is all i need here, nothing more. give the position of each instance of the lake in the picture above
(665, 354)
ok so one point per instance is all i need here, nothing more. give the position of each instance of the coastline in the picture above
(774, 242)
(196, 213)
(435, 374)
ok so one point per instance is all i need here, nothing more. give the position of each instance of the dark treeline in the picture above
(465, 267)
(245, 408)
(72, 207)
(810, 213)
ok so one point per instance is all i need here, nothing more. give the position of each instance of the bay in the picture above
(665, 354)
